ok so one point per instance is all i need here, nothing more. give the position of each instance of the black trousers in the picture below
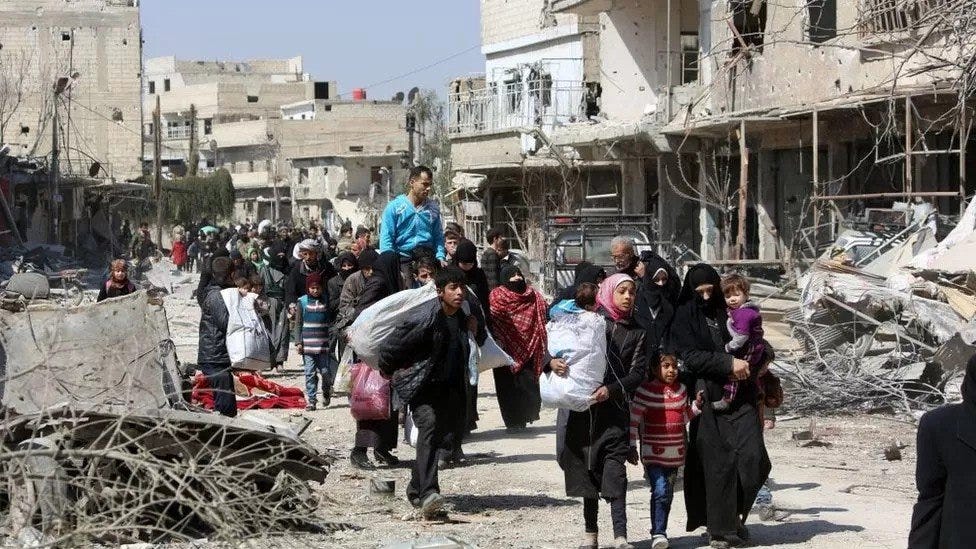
(435, 410)
(221, 382)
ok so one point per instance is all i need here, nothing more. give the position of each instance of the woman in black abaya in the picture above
(727, 462)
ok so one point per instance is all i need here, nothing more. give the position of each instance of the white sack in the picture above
(378, 322)
(580, 340)
(248, 341)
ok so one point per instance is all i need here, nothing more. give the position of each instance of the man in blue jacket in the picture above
(412, 221)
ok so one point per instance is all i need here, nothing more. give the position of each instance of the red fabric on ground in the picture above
(263, 393)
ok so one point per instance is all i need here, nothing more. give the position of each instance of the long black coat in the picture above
(946, 478)
(726, 452)
(592, 446)
(214, 316)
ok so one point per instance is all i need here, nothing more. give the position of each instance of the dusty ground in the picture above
(840, 494)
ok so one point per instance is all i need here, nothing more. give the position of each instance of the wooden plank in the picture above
(740, 239)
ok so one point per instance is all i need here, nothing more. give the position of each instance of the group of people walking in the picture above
(676, 354)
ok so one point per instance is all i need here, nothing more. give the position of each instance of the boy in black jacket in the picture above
(427, 360)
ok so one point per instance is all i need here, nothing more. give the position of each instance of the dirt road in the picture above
(840, 492)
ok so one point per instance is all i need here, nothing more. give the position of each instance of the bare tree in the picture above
(15, 86)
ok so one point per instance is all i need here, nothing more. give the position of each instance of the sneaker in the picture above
(386, 457)
(621, 543)
(360, 460)
(310, 408)
(659, 541)
(590, 541)
(431, 505)
(718, 542)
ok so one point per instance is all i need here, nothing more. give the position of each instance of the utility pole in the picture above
(411, 130)
(53, 190)
(194, 156)
(158, 172)
(740, 238)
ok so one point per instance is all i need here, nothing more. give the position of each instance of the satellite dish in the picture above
(398, 98)
(412, 96)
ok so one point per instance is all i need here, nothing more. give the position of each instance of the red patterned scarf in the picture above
(519, 323)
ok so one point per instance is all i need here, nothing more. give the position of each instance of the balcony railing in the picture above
(177, 132)
(880, 17)
(533, 103)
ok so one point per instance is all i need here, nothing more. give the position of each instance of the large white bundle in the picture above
(579, 339)
(248, 341)
(377, 322)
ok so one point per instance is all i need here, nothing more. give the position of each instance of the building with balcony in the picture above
(812, 112)
(567, 115)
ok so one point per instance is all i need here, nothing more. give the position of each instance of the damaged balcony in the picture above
(542, 103)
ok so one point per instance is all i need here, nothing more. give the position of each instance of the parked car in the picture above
(570, 247)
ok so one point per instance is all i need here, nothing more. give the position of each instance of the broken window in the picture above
(513, 92)
(166, 84)
(117, 115)
(24, 130)
(152, 87)
(302, 175)
(888, 16)
(356, 148)
(250, 166)
(207, 126)
(689, 58)
(65, 37)
(149, 129)
(822, 20)
(252, 99)
(749, 21)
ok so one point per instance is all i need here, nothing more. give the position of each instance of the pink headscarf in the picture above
(604, 297)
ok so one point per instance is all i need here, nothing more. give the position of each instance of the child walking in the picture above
(745, 327)
(312, 334)
(659, 413)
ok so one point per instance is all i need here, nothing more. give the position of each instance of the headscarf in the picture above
(347, 257)
(604, 297)
(584, 272)
(278, 256)
(518, 321)
(507, 273)
(367, 259)
(466, 252)
(698, 275)
(387, 266)
(652, 295)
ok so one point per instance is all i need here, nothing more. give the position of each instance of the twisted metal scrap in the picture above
(84, 477)
(833, 380)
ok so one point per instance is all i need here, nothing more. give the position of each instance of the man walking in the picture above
(491, 258)
(427, 359)
(212, 357)
(411, 221)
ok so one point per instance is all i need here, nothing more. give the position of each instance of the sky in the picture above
(357, 43)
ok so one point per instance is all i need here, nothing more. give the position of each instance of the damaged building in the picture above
(70, 84)
(705, 115)
(293, 146)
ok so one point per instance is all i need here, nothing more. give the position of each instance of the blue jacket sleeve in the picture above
(387, 228)
(438, 237)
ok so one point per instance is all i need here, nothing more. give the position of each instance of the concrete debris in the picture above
(106, 449)
(887, 328)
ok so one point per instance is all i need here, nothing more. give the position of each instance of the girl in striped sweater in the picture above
(659, 413)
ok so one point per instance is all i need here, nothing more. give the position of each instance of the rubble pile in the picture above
(100, 446)
(889, 330)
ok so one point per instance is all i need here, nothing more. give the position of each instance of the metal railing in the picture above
(522, 103)
(176, 132)
(879, 17)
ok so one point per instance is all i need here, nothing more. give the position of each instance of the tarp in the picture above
(254, 391)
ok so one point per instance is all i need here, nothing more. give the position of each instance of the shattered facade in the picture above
(96, 46)
(683, 105)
